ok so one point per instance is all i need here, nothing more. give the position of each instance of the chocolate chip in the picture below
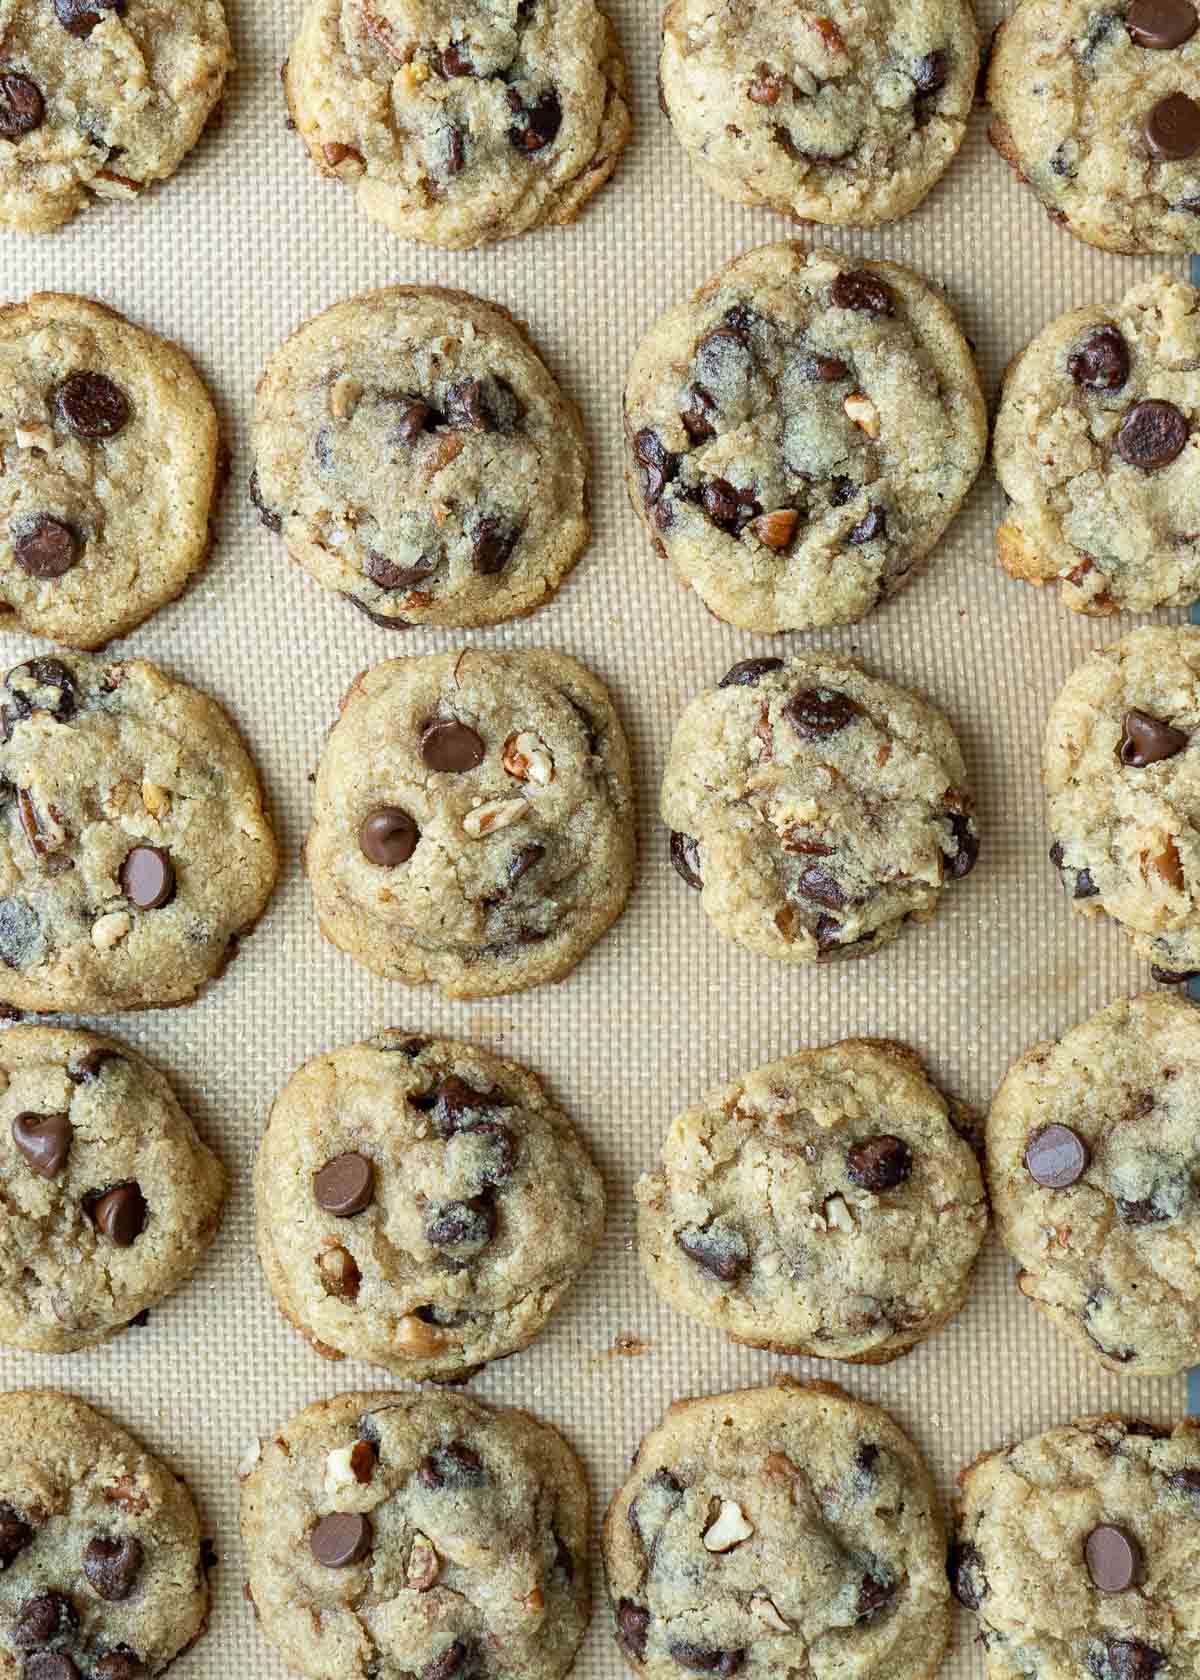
(522, 861)
(1056, 1157)
(387, 575)
(685, 859)
(874, 1595)
(696, 419)
(451, 747)
(466, 407)
(967, 1577)
(818, 884)
(1152, 434)
(537, 125)
(112, 1566)
(492, 544)
(415, 417)
(22, 107)
(119, 1213)
(43, 1618)
(841, 491)
(861, 291)
(448, 1664)
(872, 527)
(45, 547)
(15, 1535)
(388, 836)
(1125, 1659)
(633, 1628)
(345, 1185)
(817, 712)
(746, 672)
(1172, 129)
(931, 72)
(272, 520)
(879, 1163)
(341, 1539)
(1161, 24)
(454, 1466)
(91, 405)
(53, 1665)
(457, 1106)
(499, 1150)
(1101, 362)
(455, 149)
(720, 1250)
(699, 1659)
(461, 1224)
(823, 370)
(966, 846)
(730, 508)
(148, 877)
(80, 17)
(119, 1664)
(1148, 740)
(658, 464)
(1114, 1558)
(44, 1140)
(88, 1068)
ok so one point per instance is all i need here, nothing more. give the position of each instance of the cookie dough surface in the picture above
(458, 125)
(1121, 767)
(109, 452)
(1095, 106)
(1025, 1526)
(839, 113)
(419, 459)
(134, 849)
(1096, 447)
(473, 822)
(816, 807)
(104, 1574)
(800, 433)
(827, 1204)
(455, 1534)
(100, 97)
(776, 1531)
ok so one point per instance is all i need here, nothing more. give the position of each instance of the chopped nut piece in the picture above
(351, 1466)
(414, 75)
(493, 814)
(34, 434)
(447, 447)
(336, 154)
(344, 396)
(766, 1613)
(156, 799)
(863, 412)
(1165, 864)
(729, 1529)
(829, 33)
(105, 184)
(109, 930)
(837, 1213)
(776, 529)
(418, 1338)
(339, 1273)
(423, 1566)
(249, 1458)
(767, 86)
(527, 757)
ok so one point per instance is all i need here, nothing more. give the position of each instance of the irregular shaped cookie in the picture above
(473, 820)
(102, 1568)
(99, 98)
(108, 464)
(461, 124)
(775, 1531)
(1096, 107)
(419, 459)
(134, 849)
(816, 808)
(422, 1205)
(1121, 767)
(1095, 446)
(843, 113)
(110, 1197)
(417, 1534)
(1076, 1550)
(800, 433)
(828, 1204)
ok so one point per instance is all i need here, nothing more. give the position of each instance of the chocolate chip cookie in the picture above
(422, 1205)
(100, 97)
(134, 849)
(800, 433)
(473, 823)
(759, 1526)
(1095, 446)
(102, 1568)
(461, 124)
(1076, 1550)
(109, 452)
(420, 460)
(816, 808)
(828, 1204)
(417, 1534)
(1096, 106)
(1121, 767)
(840, 114)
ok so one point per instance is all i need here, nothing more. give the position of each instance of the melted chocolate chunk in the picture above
(22, 108)
(633, 1627)
(267, 515)
(879, 1163)
(685, 859)
(746, 673)
(1101, 362)
(720, 1250)
(864, 292)
(452, 1466)
(536, 126)
(90, 405)
(817, 712)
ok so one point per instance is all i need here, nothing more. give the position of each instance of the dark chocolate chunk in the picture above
(746, 672)
(685, 859)
(879, 1163)
(112, 1566)
(863, 291)
(44, 547)
(1101, 362)
(1148, 740)
(720, 1250)
(453, 1466)
(90, 405)
(451, 747)
(817, 712)
(22, 108)
(1152, 433)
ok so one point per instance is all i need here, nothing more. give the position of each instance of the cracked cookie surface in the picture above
(1095, 106)
(1121, 769)
(100, 97)
(473, 823)
(134, 848)
(1077, 1551)
(778, 1531)
(109, 452)
(1097, 447)
(419, 459)
(422, 1205)
(418, 1534)
(458, 125)
(842, 113)
(827, 1204)
(816, 808)
(800, 433)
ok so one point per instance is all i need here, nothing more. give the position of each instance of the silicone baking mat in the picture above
(243, 245)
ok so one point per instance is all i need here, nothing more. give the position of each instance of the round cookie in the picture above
(422, 1205)
(774, 790)
(1121, 768)
(1091, 1144)
(846, 115)
(134, 849)
(417, 1534)
(800, 433)
(1077, 1551)
(103, 1569)
(110, 1197)
(420, 460)
(1096, 107)
(473, 823)
(109, 454)
(100, 97)
(1096, 449)
(759, 1526)
(461, 124)
(828, 1204)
